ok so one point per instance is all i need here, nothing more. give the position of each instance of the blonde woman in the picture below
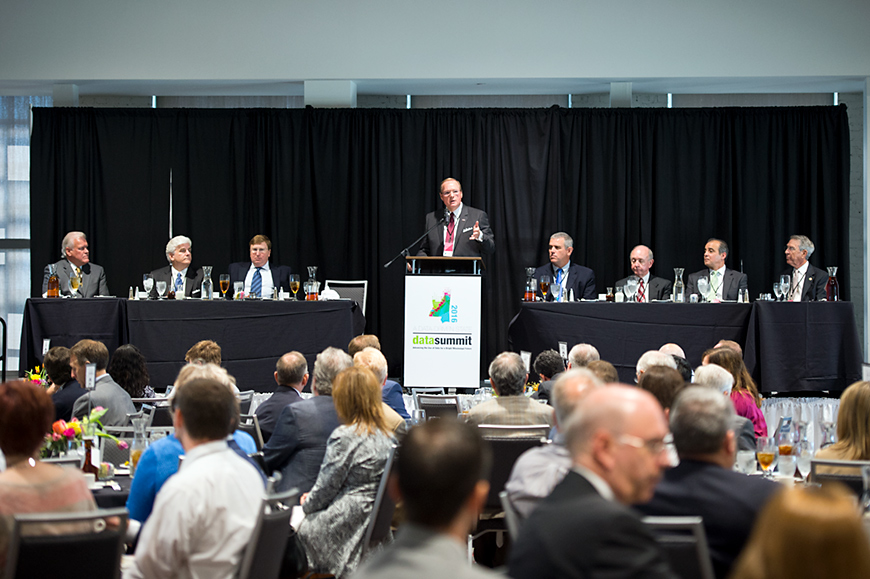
(853, 426)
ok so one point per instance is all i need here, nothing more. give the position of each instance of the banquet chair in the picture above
(441, 406)
(265, 551)
(71, 461)
(250, 424)
(540, 431)
(245, 399)
(511, 515)
(355, 290)
(426, 390)
(382, 511)
(847, 472)
(90, 549)
(684, 543)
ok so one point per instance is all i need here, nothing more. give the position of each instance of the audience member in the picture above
(538, 470)
(28, 485)
(581, 354)
(684, 368)
(807, 533)
(64, 391)
(605, 371)
(507, 373)
(76, 258)
(391, 393)
(129, 370)
(372, 359)
(730, 344)
(204, 515)
(291, 376)
(744, 393)
(339, 504)
(673, 350)
(178, 275)
(853, 427)
(298, 443)
(704, 484)
(548, 365)
(206, 351)
(441, 478)
(259, 275)
(721, 380)
(107, 393)
(585, 528)
(654, 358)
(664, 383)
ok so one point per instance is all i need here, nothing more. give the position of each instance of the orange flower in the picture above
(59, 427)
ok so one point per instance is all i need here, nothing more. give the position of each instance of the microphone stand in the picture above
(406, 251)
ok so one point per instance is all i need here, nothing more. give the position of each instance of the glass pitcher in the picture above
(832, 288)
(679, 289)
(207, 285)
(140, 443)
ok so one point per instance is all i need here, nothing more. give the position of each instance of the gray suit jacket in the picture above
(110, 396)
(659, 288)
(734, 281)
(744, 432)
(433, 244)
(93, 279)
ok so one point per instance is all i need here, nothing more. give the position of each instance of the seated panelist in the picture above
(76, 259)
(564, 275)
(178, 275)
(650, 287)
(725, 284)
(807, 281)
(259, 275)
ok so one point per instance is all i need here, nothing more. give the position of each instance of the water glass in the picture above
(784, 285)
(804, 455)
(786, 465)
(418, 416)
(703, 287)
(746, 461)
(148, 283)
(631, 287)
(777, 291)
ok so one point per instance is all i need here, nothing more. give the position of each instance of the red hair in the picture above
(26, 413)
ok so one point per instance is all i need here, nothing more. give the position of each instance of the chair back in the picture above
(245, 399)
(90, 548)
(356, 290)
(511, 515)
(113, 453)
(684, 543)
(426, 390)
(73, 461)
(162, 416)
(382, 511)
(505, 452)
(250, 424)
(847, 472)
(511, 431)
(439, 405)
(265, 551)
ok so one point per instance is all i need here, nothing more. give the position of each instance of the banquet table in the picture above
(252, 334)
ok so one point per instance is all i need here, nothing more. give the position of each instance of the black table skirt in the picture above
(107, 498)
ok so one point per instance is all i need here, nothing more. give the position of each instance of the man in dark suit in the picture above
(704, 484)
(298, 442)
(616, 438)
(64, 390)
(178, 275)
(271, 276)
(565, 277)
(466, 231)
(807, 281)
(721, 380)
(548, 366)
(649, 287)
(291, 375)
(725, 283)
(76, 258)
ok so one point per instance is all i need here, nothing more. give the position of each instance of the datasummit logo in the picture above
(442, 309)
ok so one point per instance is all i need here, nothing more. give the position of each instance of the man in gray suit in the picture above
(466, 231)
(724, 283)
(106, 392)
(76, 258)
(650, 287)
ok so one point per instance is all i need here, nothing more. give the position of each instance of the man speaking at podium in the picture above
(465, 231)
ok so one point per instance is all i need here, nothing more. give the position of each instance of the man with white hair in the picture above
(508, 375)
(581, 354)
(585, 528)
(374, 360)
(717, 377)
(807, 281)
(178, 275)
(76, 261)
(654, 358)
(673, 350)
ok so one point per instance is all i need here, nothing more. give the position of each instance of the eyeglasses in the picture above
(654, 446)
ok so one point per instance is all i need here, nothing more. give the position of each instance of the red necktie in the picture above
(451, 227)
(640, 296)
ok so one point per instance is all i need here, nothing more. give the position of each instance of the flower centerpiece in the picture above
(38, 376)
(63, 433)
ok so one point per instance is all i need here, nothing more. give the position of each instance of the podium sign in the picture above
(442, 330)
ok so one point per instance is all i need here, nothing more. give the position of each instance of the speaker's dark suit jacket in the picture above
(93, 279)
(575, 532)
(734, 281)
(814, 283)
(658, 288)
(433, 243)
(581, 279)
(280, 274)
(728, 501)
(298, 442)
(192, 287)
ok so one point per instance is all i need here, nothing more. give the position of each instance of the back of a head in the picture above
(663, 383)
(731, 361)
(508, 374)
(700, 419)
(26, 414)
(853, 422)
(549, 363)
(606, 408)
(684, 368)
(291, 368)
(569, 389)
(206, 350)
(357, 398)
(56, 362)
(372, 359)
(807, 532)
(605, 371)
(328, 364)
(439, 463)
(208, 408)
(195, 371)
(655, 358)
(129, 370)
(673, 350)
(90, 351)
(361, 342)
(581, 354)
(731, 345)
(714, 376)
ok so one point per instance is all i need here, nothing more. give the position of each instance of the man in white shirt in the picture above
(466, 231)
(261, 277)
(178, 275)
(725, 284)
(649, 287)
(807, 282)
(204, 514)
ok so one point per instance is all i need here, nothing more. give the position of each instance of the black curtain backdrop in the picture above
(348, 189)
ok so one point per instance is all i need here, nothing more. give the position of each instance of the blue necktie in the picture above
(179, 283)
(559, 284)
(257, 284)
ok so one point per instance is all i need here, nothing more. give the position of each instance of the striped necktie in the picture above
(257, 283)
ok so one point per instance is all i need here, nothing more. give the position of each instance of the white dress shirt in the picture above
(719, 283)
(645, 289)
(456, 231)
(797, 280)
(203, 518)
(265, 275)
(175, 273)
(560, 295)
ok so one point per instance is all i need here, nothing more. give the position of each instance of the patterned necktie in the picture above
(179, 283)
(81, 280)
(640, 295)
(558, 295)
(714, 287)
(451, 227)
(257, 283)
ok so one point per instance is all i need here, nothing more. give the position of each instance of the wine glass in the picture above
(804, 454)
(294, 284)
(767, 453)
(777, 291)
(75, 282)
(784, 284)
(225, 284)
(631, 287)
(544, 285)
(161, 289)
(703, 287)
(148, 283)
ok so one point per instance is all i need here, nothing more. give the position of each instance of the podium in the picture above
(442, 322)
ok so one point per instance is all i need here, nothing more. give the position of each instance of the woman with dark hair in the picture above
(744, 393)
(339, 504)
(128, 369)
(27, 485)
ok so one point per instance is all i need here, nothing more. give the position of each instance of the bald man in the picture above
(650, 287)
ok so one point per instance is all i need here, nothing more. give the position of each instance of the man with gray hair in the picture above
(298, 443)
(717, 377)
(807, 281)
(565, 277)
(76, 262)
(704, 483)
(649, 287)
(581, 354)
(178, 276)
(538, 470)
(508, 375)
(291, 376)
(654, 358)
(585, 528)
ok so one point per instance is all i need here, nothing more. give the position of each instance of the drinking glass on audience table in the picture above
(161, 289)
(631, 287)
(746, 461)
(777, 291)
(418, 416)
(703, 287)
(225, 284)
(544, 285)
(148, 283)
(786, 442)
(804, 455)
(767, 453)
(784, 284)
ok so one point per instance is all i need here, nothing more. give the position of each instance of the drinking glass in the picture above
(161, 289)
(75, 282)
(746, 461)
(767, 453)
(294, 284)
(777, 291)
(631, 287)
(784, 284)
(703, 287)
(544, 285)
(804, 454)
(786, 442)
(418, 416)
(148, 283)
(225, 284)
(785, 465)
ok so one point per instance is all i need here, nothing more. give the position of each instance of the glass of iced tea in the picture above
(225, 284)
(767, 453)
(544, 285)
(294, 284)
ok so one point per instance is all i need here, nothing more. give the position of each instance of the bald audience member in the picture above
(372, 359)
(673, 350)
(585, 527)
(731, 344)
(291, 376)
(391, 393)
(581, 354)
(721, 380)
(605, 371)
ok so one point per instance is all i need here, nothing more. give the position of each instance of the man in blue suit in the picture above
(260, 276)
(391, 391)
(564, 275)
